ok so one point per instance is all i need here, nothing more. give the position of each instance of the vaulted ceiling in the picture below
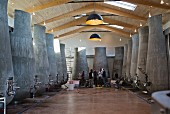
(58, 15)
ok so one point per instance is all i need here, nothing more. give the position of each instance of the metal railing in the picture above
(3, 102)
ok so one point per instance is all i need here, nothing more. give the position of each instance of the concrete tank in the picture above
(6, 66)
(22, 54)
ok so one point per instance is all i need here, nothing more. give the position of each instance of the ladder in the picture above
(69, 61)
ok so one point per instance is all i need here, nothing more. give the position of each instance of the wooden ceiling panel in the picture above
(84, 9)
(47, 5)
(59, 16)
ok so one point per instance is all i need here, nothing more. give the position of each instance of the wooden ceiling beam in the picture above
(75, 31)
(47, 5)
(68, 25)
(127, 34)
(117, 31)
(118, 12)
(83, 19)
(120, 23)
(148, 3)
(85, 9)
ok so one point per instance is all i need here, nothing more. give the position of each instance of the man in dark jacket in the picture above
(95, 77)
(104, 77)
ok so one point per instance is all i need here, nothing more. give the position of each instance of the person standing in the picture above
(82, 81)
(100, 82)
(104, 77)
(91, 78)
(95, 78)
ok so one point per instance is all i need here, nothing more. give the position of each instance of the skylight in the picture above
(79, 16)
(117, 26)
(122, 4)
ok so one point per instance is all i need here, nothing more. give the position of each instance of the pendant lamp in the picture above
(95, 37)
(94, 19)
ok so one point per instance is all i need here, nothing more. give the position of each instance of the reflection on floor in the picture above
(92, 101)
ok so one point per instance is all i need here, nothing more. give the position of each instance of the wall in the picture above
(109, 40)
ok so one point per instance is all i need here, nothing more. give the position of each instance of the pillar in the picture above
(63, 61)
(129, 55)
(135, 47)
(6, 66)
(125, 60)
(142, 54)
(118, 61)
(41, 56)
(80, 63)
(156, 57)
(22, 54)
(100, 59)
(51, 56)
(59, 66)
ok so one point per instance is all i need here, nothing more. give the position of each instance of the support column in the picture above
(135, 47)
(41, 56)
(129, 55)
(6, 66)
(22, 54)
(125, 60)
(118, 61)
(157, 58)
(80, 63)
(143, 49)
(100, 60)
(51, 56)
(59, 66)
(63, 61)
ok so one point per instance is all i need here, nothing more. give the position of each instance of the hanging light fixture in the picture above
(94, 19)
(149, 14)
(149, 11)
(33, 11)
(44, 23)
(162, 2)
(130, 35)
(140, 24)
(135, 30)
(95, 37)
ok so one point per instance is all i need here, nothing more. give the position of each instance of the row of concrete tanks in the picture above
(143, 61)
(146, 63)
(28, 65)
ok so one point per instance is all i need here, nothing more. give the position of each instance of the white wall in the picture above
(109, 40)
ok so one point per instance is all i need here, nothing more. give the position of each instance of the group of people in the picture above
(95, 78)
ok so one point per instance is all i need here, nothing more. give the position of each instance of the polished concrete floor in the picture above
(92, 101)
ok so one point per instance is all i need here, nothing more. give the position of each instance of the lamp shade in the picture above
(95, 37)
(94, 19)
